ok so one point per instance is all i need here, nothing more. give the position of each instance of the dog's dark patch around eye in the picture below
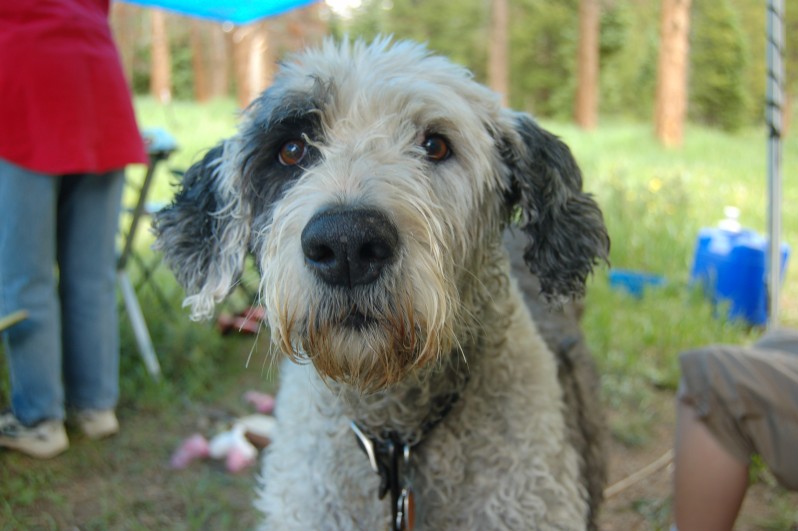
(263, 174)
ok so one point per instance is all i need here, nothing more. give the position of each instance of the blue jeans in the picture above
(58, 263)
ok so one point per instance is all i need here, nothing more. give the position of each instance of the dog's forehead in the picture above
(345, 81)
(366, 110)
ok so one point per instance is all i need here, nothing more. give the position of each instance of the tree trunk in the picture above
(219, 79)
(498, 59)
(123, 24)
(251, 55)
(199, 61)
(161, 71)
(671, 96)
(587, 88)
(260, 61)
(242, 37)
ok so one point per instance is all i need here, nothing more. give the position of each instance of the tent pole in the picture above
(774, 102)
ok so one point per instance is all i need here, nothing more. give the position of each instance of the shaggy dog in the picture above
(373, 185)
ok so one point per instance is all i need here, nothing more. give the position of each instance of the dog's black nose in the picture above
(349, 247)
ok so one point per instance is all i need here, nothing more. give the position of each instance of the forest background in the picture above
(178, 57)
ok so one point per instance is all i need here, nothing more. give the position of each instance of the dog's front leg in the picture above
(314, 475)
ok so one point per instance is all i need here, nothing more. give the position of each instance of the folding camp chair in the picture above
(160, 146)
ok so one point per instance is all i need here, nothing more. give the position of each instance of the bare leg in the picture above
(709, 483)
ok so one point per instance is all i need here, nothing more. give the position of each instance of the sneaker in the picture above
(46, 439)
(97, 423)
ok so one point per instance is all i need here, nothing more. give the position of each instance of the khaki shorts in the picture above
(748, 398)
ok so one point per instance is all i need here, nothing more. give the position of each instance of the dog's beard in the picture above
(371, 336)
(367, 347)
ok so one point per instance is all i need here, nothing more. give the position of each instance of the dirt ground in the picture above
(644, 505)
(125, 483)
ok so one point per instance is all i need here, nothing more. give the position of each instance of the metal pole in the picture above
(774, 102)
(140, 329)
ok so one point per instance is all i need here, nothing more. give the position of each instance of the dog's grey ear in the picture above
(204, 233)
(567, 235)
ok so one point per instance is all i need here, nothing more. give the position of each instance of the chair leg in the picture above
(143, 340)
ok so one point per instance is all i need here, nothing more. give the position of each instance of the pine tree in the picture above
(718, 66)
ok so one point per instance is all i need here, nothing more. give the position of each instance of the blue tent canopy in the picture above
(233, 11)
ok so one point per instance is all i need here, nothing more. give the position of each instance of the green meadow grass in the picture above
(655, 201)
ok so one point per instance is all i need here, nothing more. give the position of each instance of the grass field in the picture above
(655, 201)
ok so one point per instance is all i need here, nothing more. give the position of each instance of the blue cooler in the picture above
(731, 264)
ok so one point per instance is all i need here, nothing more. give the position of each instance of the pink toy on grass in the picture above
(234, 447)
(263, 402)
(195, 447)
(238, 446)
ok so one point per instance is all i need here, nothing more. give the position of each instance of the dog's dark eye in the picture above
(292, 152)
(437, 148)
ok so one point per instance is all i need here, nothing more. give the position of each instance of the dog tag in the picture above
(406, 510)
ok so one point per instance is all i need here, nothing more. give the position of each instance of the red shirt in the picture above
(65, 106)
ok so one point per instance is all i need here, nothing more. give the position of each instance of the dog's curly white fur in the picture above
(373, 184)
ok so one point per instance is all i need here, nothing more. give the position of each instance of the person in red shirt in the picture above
(67, 131)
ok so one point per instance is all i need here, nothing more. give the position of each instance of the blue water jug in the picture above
(731, 264)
